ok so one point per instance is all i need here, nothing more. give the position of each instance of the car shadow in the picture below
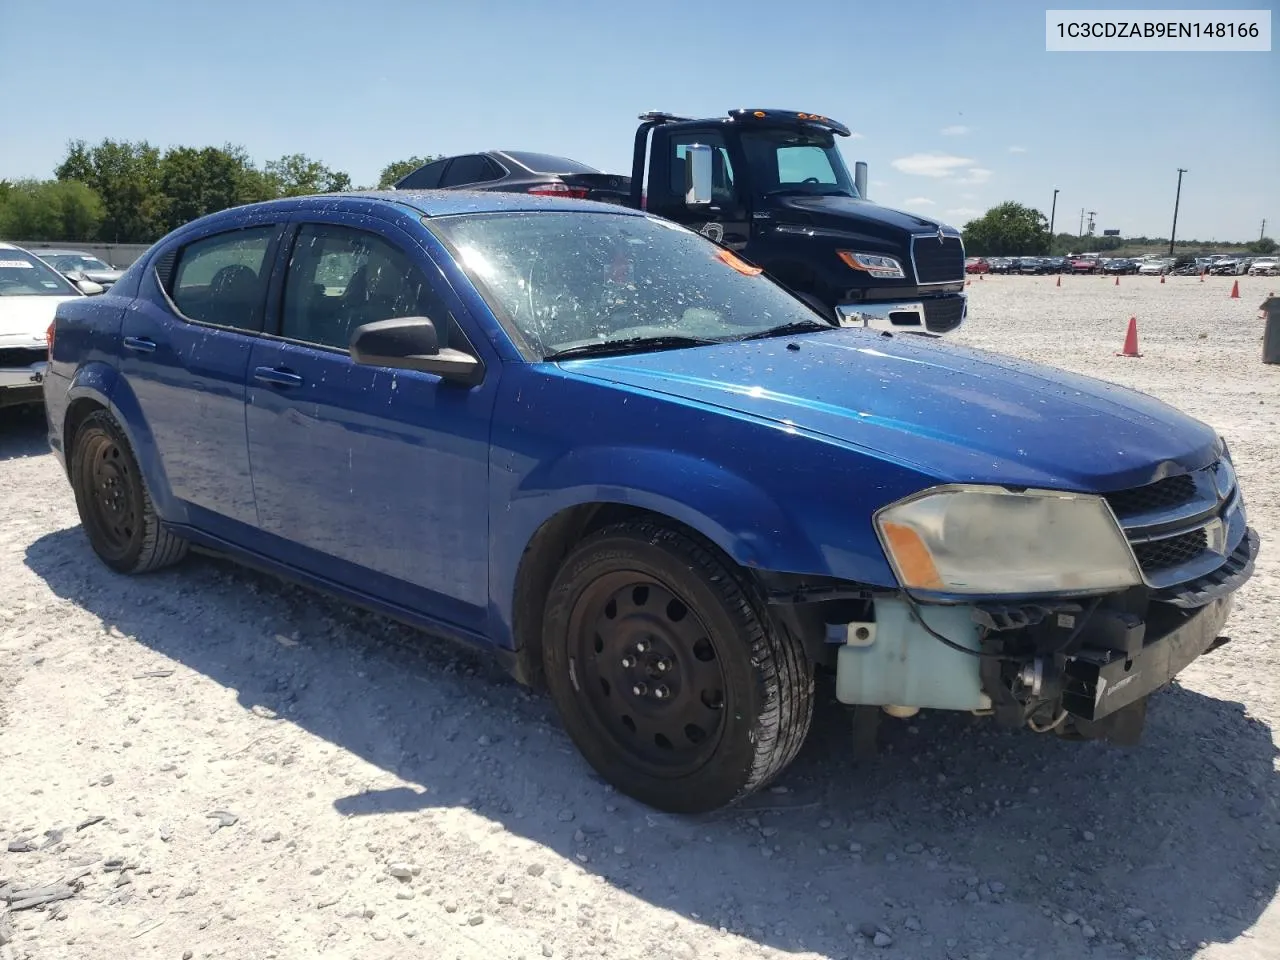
(23, 432)
(957, 838)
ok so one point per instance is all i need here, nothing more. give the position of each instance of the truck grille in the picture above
(22, 356)
(937, 261)
(943, 314)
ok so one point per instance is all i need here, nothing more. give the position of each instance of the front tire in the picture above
(666, 675)
(114, 505)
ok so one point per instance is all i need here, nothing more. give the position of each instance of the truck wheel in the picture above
(667, 677)
(115, 507)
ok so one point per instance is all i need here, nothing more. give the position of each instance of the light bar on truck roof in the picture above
(792, 117)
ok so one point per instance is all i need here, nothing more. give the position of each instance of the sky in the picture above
(955, 106)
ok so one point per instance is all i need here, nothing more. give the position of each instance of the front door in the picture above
(727, 220)
(371, 477)
(185, 356)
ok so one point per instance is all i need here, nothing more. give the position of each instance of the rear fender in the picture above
(104, 385)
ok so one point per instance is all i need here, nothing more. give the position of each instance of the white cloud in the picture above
(956, 130)
(974, 176)
(964, 213)
(930, 164)
(1017, 149)
(968, 196)
(918, 202)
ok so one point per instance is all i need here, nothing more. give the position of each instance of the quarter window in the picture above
(340, 278)
(221, 279)
(426, 177)
(472, 169)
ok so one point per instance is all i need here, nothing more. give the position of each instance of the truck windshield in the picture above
(572, 281)
(783, 160)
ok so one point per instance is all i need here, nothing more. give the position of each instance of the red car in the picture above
(1084, 264)
(977, 265)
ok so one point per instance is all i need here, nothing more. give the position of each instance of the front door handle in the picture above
(277, 377)
(140, 344)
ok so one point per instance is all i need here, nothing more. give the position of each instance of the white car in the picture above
(1152, 268)
(30, 291)
(1265, 267)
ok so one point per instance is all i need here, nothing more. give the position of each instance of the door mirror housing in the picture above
(411, 343)
(697, 176)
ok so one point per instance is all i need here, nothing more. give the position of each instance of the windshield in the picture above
(22, 275)
(783, 160)
(569, 280)
(67, 262)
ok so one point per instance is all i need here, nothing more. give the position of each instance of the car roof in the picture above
(61, 251)
(447, 203)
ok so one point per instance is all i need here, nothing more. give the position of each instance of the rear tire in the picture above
(666, 675)
(114, 505)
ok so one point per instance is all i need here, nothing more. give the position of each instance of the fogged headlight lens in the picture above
(987, 540)
(878, 265)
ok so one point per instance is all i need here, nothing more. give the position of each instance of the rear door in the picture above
(186, 342)
(371, 477)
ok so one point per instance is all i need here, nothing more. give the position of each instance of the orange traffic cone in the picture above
(1202, 276)
(1059, 279)
(1235, 290)
(1117, 279)
(1162, 278)
(1131, 340)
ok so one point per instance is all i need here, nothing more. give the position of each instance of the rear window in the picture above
(546, 163)
(22, 275)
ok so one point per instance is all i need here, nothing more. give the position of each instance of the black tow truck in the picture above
(772, 186)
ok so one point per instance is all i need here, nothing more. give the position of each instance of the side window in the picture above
(341, 278)
(722, 183)
(472, 169)
(221, 279)
(426, 177)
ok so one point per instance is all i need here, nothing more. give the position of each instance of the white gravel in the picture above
(277, 775)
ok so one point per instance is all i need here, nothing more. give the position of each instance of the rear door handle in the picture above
(140, 344)
(277, 377)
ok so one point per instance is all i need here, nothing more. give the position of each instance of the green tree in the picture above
(62, 210)
(1263, 245)
(127, 177)
(400, 169)
(1007, 230)
(297, 175)
(199, 181)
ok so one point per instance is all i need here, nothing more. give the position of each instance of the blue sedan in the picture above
(644, 474)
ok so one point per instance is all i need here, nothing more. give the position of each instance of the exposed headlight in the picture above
(875, 264)
(978, 540)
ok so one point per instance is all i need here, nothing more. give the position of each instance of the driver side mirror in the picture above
(411, 343)
(697, 175)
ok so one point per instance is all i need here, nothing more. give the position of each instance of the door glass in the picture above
(340, 278)
(721, 170)
(220, 280)
(472, 169)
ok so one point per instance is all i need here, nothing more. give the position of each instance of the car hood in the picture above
(857, 218)
(955, 413)
(24, 320)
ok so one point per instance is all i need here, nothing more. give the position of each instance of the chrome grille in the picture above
(937, 261)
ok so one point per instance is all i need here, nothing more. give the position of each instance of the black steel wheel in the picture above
(668, 678)
(112, 499)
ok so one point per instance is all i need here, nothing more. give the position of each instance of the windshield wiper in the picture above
(629, 345)
(799, 326)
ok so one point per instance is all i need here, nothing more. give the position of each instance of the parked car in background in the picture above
(519, 171)
(1083, 264)
(1055, 264)
(77, 265)
(1264, 267)
(601, 445)
(1000, 264)
(1155, 268)
(1229, 266)
(1120, 265)
(30, 292)
(976, 265)
(1030, 265)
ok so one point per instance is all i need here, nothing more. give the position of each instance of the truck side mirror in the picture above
(697, 175)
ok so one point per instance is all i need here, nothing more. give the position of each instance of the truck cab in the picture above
(772, 186)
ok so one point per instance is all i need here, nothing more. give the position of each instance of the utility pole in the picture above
(1081, 233)
(1263, 232)
(1092, 214)
(1054, 209)
(1176, 198)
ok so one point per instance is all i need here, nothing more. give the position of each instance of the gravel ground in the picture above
(213, 764)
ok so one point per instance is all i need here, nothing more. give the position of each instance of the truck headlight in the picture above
(979, 540)
(875, 264)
